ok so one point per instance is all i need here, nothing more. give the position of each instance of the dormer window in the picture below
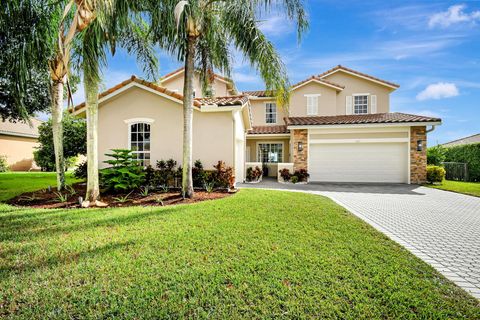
(270, 113)
(360, 104)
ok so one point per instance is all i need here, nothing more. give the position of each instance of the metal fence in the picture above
(456, 171)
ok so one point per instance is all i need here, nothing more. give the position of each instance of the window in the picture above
(360, 104)
(270, 113)
(312, 104)
(270, 152)
(140, 142)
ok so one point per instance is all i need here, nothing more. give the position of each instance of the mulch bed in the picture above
(50, 199)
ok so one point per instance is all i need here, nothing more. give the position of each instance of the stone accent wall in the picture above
(418, 159)
(300, 158)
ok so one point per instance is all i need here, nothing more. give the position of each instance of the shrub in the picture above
(198, 174)
(166, 173)
(253, 174)
(3, 163)
(223, 175)
(302, 175)
(80, 171)
(435, 174)
(149, 176)
(468, 153)
(436, 155)
(125, 172)
(285, 174)
(294, 179)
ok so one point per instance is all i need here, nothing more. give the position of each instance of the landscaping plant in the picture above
(80, 171)
(435, 174)
(253, 174)
(3, 163)
(223, 175)
(285, 174)
(302, 175)
(469, 154)
(436, 155)
(125, 173)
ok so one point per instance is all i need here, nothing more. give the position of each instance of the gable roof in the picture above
(20, 129)
(475, 138)
(358, 74)
(179, 71)
(224, 101)
(394, 117)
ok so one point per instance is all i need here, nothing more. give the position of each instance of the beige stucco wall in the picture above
(19, 152)
(212, 132)
(257, 108)
(176, 83)
(355, 85)
(326, 101)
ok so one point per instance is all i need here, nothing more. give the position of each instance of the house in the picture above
(17, 142)
(338, 126)
(466, 140)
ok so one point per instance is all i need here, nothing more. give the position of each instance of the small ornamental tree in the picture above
(74, 142)
(125, 173)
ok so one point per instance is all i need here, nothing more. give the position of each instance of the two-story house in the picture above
(337, 125)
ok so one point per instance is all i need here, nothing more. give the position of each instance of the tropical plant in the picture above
(209, 186)
(202, 34)
(294, 179)
(60, 197)
(223, 175)
(436, 155)
(125, 172)
(302, 175)
(469, 154)
(198, 174)
(123, 199)
(285, 174)
(435, 174)
(3, 163)
(70, 189)
(144, 191)
(80, 171)
(74, 142)
(165, 175)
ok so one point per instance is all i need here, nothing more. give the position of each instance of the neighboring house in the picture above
(467, 140)
(17, 142)
(338, 126)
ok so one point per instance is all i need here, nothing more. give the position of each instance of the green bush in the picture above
(253, 174)
(199, 174)
(436, 155)
(223, 176)
(302, 175)
(468, 153)
(166, 173)
(3, 163)
(435, 174)
(125, 173)
(294, 179)
(80, 171)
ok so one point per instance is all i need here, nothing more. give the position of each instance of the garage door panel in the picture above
(358, 162)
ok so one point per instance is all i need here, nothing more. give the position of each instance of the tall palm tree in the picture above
(117, 23)
(202, 34)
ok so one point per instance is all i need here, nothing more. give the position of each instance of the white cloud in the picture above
(245, 77)
(454, 15)
(276, 26)
(438, 91)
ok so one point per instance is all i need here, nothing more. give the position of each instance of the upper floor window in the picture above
(360, 104)
(270, 113)
(140, 142)
(312, 104)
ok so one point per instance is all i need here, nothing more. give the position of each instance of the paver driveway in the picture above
(440, 227)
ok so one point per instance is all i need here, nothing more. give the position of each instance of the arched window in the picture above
(140, 142)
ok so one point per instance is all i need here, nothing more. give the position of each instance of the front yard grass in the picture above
(470, 188)
(257, 254)
(15, 183)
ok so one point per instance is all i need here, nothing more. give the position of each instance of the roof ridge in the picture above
(340, 67)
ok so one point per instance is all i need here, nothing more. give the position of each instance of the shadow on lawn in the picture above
(53, 261)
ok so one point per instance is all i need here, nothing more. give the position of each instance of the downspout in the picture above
(430, 130)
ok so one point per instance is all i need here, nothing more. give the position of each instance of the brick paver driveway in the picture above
(440, 227)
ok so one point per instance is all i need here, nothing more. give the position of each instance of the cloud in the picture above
(454, 15)
(438, 90)
(276, 26)
(245, 77)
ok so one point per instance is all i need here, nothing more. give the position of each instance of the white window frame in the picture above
(130, 123)
(367, 104)
(312, 104)
(259, 158)
(271, 113)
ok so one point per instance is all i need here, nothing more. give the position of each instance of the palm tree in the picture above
(119, 23)
(49, 45)
(201, 34)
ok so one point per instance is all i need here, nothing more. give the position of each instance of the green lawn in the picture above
(15, 183)
(471, 188)
(257, 254)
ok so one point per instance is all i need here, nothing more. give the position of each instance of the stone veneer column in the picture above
(418, 159)
(300, 158)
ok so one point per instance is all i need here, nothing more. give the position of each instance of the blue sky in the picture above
(430, 48)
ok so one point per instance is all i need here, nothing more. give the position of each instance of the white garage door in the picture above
(358, 162)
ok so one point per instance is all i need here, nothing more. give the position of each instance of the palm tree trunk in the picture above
(57, 130)
(187, 181)
(91, 99)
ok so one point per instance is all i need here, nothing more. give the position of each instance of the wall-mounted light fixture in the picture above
(419, 145)
(300, 146)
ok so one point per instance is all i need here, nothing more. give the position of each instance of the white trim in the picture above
(139, 120)
(362, 125)
(129, 125)
(360, 76)
(312, 95)
(316, 81)
(404, 129)
(267, 135)
(259, 98)
(276, 113)
(362, 140)
(360, 94)
(19, 134)
(173, 75)
(270, 142)
(313, 110)
(216, 108)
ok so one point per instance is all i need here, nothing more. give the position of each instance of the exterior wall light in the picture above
(419, 145)
(300, 146)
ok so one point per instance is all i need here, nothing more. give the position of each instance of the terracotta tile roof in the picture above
(340, 67)
(223, 101)
(317, 78)
(151, 85)
(269, 129)
(20, 129)
(394, 117)
(259, 93)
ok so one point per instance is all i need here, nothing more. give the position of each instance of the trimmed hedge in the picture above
(435, 174)
(468, 153)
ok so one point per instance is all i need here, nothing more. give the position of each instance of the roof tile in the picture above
(223, 101)
(394, 117)
(269, 129)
